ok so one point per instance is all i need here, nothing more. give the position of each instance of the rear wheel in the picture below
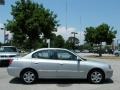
(116, 54)
(29, 76)
(96, 76)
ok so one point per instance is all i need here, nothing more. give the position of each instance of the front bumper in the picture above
(109, 74)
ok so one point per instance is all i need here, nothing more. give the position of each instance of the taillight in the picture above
(10, 61)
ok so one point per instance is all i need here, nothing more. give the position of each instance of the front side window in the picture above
(65, 55)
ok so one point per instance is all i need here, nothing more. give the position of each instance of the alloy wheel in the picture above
(29, 77)
(96, 77)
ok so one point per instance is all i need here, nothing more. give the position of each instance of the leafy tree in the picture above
(0, 44)
(56, 41)
(52, 40)
(59, 42)
(105, 33)
(97, 35)
(90, 36)
(30, 20)
(72, 42)
(69, 45)
(85, 46)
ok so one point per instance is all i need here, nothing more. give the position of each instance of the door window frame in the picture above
(49, 54)
(73, 59)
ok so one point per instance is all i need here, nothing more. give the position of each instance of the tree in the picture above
(90, 35)
(30, 20)
(59, 42)
(72, 42)
(52, 40)
(2, 2)
(105, 34)
(85, 46)
(0, 44)
(97, 35)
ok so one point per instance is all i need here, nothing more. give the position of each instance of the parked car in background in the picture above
(58, 63)
(117, 52)
(7, 53)
(77, 51)
(85, 51)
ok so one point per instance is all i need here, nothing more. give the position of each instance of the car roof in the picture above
(50, 49)
(28, 55)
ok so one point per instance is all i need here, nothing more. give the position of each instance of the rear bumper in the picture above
(13, 71)
(4, 62)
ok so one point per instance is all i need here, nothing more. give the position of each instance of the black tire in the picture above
(0, 64)
(116, 54)
(29, 76)
(96, 76)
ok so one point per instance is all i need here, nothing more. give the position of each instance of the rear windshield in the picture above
(8, 49)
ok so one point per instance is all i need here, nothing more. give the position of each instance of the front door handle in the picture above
(36, 63)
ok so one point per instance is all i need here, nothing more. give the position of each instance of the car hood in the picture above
(95, 63)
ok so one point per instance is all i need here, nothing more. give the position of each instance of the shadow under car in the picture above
(58, 81)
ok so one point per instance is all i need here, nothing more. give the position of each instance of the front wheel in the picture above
(29, 76)
(96, 76)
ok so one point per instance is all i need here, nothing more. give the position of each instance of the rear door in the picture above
(44, 62)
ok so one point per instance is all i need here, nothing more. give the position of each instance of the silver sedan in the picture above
(58, 63)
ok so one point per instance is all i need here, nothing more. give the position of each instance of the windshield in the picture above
(8, 49)
(81, 58)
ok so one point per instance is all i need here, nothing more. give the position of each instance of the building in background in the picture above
(5, 36)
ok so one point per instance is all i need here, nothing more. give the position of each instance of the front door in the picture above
(68, 65)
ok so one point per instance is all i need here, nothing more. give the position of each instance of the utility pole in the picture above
(74, 33)
(66, 13)
(48, 42)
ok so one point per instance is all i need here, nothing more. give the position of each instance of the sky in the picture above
(80, 14)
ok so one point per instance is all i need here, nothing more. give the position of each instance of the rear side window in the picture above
(45, 54)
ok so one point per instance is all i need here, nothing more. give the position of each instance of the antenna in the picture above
(80, 29)
(66, 13)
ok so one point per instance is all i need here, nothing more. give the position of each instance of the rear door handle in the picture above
(61, 64)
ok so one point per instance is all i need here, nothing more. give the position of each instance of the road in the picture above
(10, 83)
